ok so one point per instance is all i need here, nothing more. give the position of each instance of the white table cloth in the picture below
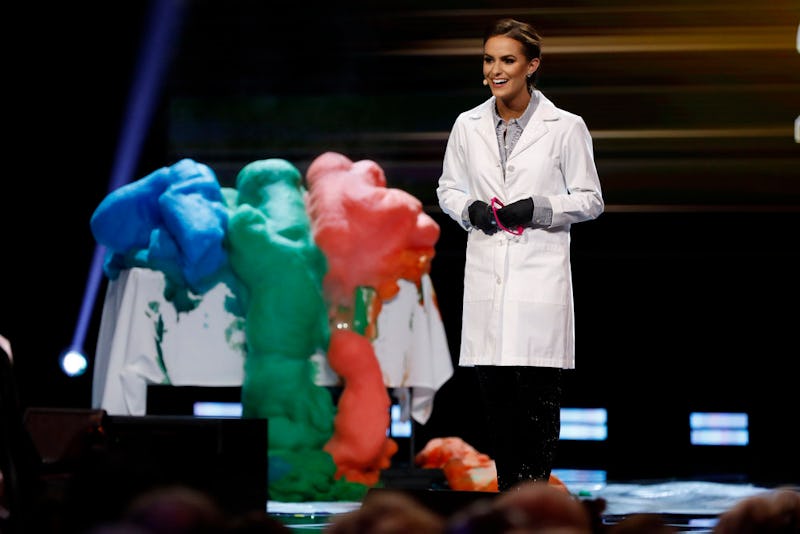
(201, 347)
(140, 329)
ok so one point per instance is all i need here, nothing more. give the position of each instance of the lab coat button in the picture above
(499, 281)
(511, 168)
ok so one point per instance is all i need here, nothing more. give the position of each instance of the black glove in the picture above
(482, 217)
(519, 213)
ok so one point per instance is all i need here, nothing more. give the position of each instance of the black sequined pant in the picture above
(523, 406)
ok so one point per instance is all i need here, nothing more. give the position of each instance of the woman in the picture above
(517, 172)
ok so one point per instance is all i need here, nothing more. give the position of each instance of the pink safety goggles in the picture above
(497, 203)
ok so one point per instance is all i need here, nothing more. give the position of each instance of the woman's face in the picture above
(506, 68)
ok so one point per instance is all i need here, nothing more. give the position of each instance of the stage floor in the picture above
(688, 505)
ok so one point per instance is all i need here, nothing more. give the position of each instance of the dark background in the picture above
(686, 289)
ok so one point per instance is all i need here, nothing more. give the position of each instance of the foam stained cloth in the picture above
(465, 468)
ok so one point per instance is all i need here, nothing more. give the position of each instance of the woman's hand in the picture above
(519, 213)
(482, 217)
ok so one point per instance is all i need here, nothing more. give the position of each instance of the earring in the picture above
(485, 81)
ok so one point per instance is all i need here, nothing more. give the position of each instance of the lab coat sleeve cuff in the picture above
(465, 216)
(542, 211)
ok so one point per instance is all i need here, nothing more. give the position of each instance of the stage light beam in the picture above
(159, 33)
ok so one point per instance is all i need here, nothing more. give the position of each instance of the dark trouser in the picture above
(523, 406)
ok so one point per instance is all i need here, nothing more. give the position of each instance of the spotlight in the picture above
(73, 363)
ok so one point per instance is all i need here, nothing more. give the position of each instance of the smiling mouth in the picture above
(497, 81)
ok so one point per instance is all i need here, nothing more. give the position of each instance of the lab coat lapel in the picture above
(537, 127)
(484, 126)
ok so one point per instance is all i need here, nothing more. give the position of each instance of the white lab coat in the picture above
(518, 306)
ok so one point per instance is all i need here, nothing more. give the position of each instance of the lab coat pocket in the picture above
(478, 269)
(539, 271)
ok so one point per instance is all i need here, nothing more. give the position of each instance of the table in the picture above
(144, 340)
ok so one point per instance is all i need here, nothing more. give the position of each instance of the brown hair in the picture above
(523, 33)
